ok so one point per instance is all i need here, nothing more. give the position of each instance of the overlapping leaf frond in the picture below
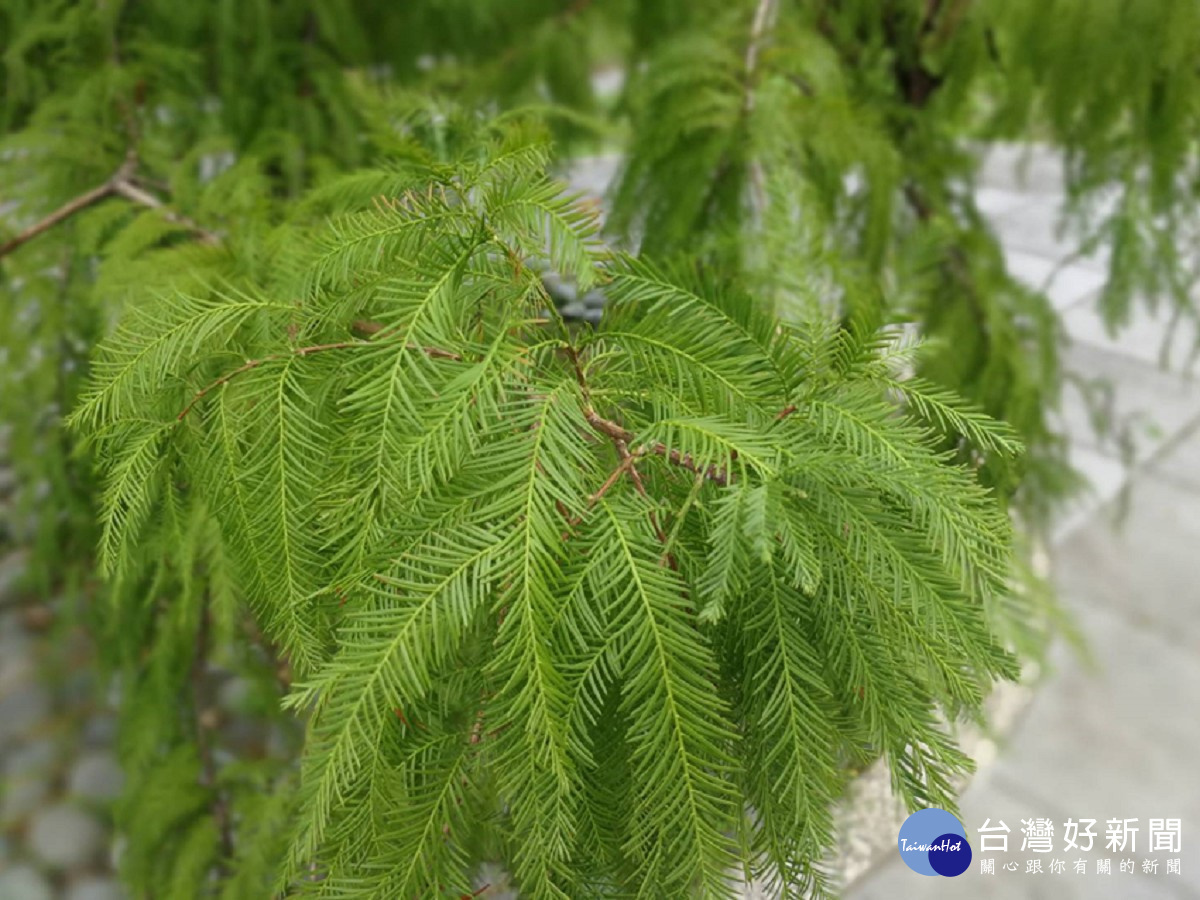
(600, 601)
(622, 607)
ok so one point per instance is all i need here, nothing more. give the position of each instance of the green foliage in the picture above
(473, 526)
(836, 137)
(622, 607)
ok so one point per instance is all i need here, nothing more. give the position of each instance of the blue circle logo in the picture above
(933, 842)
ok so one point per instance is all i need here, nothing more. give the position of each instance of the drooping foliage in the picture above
(697, 537)
(840, 134)
(622, 607)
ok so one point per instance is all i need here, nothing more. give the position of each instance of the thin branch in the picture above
(477, 728)
(435, 352)
(628, 460)
(607, 426)
(636, 476)
(715, 474)
(254, 364)
(764, 15)
(200, 394)
(929, 19)
(64, 212)
(130, 191)
(955, 261)
(620, 435)
(122, 184)
(368, 328)
(615, 476)
(621, 438)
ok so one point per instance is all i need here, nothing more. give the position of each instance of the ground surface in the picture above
(1119, 741)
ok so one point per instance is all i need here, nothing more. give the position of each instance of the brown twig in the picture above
(477, 728)
(200, 394)
(716, 474)
(636, 477)
(621, 435)
(713, 473)
(64, 212)
(254, 364)
(621, 438)
(126, 188)
(615, 476)
(121, 184)
(368, 328)
(764, 15)
(955, 263)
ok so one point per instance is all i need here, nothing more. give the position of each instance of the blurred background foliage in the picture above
(822, 154)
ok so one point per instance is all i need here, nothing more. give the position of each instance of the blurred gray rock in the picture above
(100, 730)
(94, 888)
(12, 568)
(27, 773)
(65, 837)
(235, 694)
(21, 798)
(35, 758)
(78, 687)
(17, 665)
(242, 734)
(24, 882)
(96, 776)
(22, 709)
(560, 290)
(280, 742)
(573, 310)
